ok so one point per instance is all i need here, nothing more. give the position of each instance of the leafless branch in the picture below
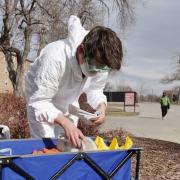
(45, 10)
(105, 5)
(32, 6)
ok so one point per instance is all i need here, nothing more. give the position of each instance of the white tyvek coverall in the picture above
(55, 80)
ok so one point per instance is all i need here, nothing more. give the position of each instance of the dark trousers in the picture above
(164, 110)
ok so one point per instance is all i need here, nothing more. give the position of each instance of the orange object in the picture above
(46, 151)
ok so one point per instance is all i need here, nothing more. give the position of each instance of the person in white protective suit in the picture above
(65, 69)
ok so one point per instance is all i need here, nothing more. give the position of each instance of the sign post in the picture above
(129, 99)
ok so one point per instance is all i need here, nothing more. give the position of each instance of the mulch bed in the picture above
(160, 160)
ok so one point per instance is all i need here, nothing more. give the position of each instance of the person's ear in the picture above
(80, 53)
(81, 49)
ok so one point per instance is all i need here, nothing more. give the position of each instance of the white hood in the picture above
(76, 32)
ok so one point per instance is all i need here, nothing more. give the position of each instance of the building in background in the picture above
(5, 83)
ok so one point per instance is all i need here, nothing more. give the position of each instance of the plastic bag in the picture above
(101, 145)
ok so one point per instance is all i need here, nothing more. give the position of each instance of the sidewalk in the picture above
(149, 123)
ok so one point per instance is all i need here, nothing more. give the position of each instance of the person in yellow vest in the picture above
(165, 104)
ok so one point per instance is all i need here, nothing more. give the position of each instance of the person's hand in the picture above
(102, 109)
(73, 134)
(100, 119)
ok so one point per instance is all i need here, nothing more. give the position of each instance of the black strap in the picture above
(94, 166)
(20, 171)
(8, 162)
(88, 160)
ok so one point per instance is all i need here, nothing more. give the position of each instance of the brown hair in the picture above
(103, 45)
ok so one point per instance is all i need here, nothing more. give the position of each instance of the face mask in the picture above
(84, 69)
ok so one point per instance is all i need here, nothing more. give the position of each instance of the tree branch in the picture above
(32, 6)
(45, 10)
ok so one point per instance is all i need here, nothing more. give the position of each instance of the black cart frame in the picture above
(7, 161)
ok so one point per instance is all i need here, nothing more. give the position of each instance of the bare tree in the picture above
(141, 89)
(46, 18)
(10, 12)
(122, 88)
(174, 77)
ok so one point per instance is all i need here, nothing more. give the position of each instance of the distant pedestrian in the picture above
(165, 104)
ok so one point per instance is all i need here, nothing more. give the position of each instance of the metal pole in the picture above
(138, 157)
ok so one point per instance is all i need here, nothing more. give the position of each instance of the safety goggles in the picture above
(92, 67)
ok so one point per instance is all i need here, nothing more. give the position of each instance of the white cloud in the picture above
(142, 73)
(151, 44)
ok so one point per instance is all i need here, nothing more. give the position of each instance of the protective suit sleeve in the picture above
(95, 94)
(48, 74)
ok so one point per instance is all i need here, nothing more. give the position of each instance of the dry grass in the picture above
(117, 109)
(122, 113)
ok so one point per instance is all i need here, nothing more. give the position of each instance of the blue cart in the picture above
(94, 165)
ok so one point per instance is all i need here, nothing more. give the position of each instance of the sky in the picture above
(150, 45)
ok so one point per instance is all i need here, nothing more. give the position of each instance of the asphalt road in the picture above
(149, 123)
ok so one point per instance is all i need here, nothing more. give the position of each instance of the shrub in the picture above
(14, 115)
(87, 130)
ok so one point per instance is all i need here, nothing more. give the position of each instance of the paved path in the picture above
(149, 123)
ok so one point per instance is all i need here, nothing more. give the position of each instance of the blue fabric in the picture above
(45, 166)
(27, 146)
